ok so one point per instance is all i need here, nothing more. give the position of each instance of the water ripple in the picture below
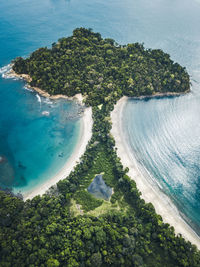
(164, 134)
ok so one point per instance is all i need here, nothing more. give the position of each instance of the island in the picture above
(68, 226)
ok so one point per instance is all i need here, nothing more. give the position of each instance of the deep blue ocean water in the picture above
(163, 133)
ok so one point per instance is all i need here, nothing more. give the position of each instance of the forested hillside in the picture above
(85, 63)
(68, 226)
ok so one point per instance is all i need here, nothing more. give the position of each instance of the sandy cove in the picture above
(163, 205)
(84, 137)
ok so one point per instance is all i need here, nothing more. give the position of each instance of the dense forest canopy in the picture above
(67, 226)
(88, 64)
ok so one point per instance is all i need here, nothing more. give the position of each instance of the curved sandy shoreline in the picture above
(161, 202)
(84, 137)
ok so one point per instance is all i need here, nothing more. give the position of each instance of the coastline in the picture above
(84, 137)
(12, 74)
(162, 204)
(160, 95)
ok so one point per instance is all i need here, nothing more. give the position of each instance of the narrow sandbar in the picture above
(163, 205)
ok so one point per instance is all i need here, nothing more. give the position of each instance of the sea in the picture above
(163, 133)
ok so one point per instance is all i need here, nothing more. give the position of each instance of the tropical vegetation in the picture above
(67, 226)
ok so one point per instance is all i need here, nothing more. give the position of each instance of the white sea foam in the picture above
(28, 88)
(5, 69)
(48, 101)
(38, 98)
(6, 72)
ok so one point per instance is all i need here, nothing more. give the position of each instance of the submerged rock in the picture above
(45, 113)
(6, 173)
(2, 159)
(99, 189)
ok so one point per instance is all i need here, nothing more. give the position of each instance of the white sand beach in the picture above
(85, 136)
(163, 205)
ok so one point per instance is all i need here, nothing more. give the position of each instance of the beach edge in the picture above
(85, 135)
(162, 204)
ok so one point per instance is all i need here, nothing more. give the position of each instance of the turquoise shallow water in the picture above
(37, 136)
(164, 134)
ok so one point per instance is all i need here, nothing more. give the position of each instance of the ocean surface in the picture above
(37, 136)
(164, 134)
